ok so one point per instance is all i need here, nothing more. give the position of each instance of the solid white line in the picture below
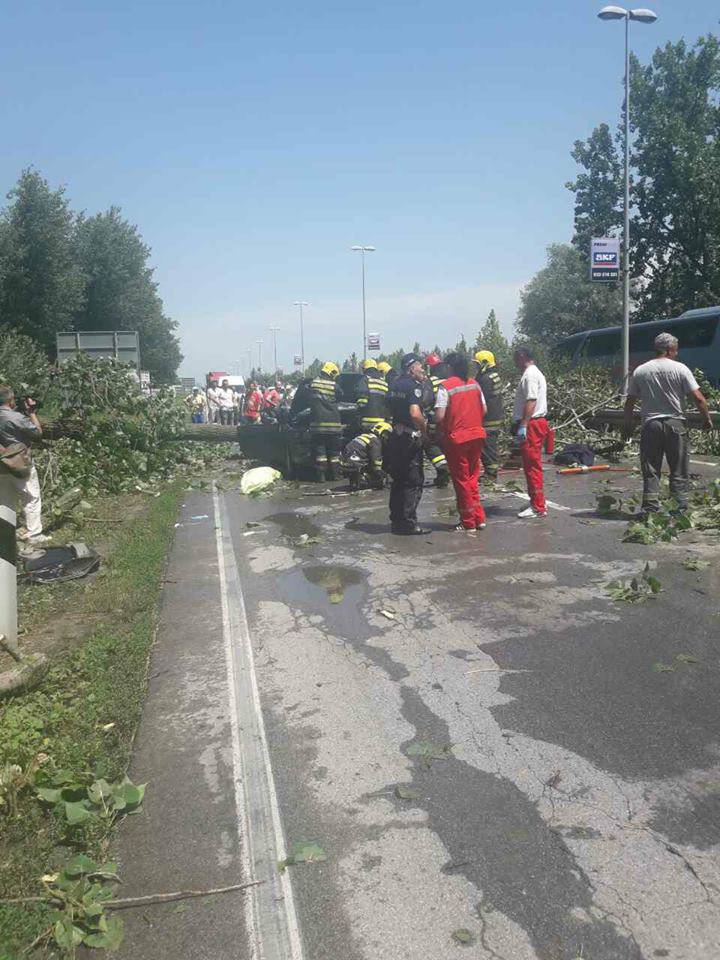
(550, 503)
(270, 910)
(705, 463)
(8, 514)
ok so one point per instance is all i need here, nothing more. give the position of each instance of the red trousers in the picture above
(531, 453)
(464, 463)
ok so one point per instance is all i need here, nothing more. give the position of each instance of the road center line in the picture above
(270, 914)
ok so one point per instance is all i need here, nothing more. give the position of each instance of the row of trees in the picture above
(675, 198)
(61, 270)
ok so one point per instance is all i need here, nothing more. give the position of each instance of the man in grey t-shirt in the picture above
(662, 386)
(16, 427)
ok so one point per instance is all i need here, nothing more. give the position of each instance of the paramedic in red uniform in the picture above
(459, 412)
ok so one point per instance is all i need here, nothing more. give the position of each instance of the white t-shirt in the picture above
(532, 386)
(225, 398)
(662, 385)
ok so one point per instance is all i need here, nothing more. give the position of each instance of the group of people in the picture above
(229, 405)
(437, 410)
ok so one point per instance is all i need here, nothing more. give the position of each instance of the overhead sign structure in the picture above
(373, 341)
(604, 259)
(297, 360)
(122, 345)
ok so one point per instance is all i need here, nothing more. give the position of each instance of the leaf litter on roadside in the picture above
(303, 852)
(404, 792)
(427, 750)
(681, 659)
(464, 937)
(636, 589)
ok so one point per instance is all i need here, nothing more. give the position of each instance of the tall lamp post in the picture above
(259, 346)
(363, 250)
(641, 16)
(301, 304)
(275, 331)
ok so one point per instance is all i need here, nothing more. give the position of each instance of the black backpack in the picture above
(575, 453)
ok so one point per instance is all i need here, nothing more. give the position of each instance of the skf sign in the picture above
(604, 259)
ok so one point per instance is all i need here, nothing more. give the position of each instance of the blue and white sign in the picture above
(604, 259)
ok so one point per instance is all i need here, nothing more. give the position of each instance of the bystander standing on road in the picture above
(226, 403)
(271, 400)
(197, 402)
(662, 386)
(17, 427)
(459, 411)
(212, 404)
(253, 403)
(530, 429)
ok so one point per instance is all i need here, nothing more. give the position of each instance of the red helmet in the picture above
(432, 360)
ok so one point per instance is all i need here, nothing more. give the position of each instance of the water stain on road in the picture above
(338, 594)
(294, 525)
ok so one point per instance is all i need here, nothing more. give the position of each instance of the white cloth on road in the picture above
(532, 386)
(662, 385)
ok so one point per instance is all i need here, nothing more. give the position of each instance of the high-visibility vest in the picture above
(325, 415)
(373, 401)
(464, 415)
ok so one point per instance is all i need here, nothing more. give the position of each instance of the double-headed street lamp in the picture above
(301, 304)
(363, 250)
(641, 16)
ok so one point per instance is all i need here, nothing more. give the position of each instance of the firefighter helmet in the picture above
(331, 369)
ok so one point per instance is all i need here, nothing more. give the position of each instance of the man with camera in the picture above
(18, 427)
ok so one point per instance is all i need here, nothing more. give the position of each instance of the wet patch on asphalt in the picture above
(498, 841)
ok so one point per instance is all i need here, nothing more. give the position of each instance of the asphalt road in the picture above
(477, 737)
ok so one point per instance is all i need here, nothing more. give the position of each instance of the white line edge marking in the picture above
(550, 503)
(8, 514)
(288, 902)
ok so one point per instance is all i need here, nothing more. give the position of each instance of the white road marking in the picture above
(550, 503)
(705, 463)
(270, 914)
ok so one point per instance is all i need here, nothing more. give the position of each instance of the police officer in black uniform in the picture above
(405, 447)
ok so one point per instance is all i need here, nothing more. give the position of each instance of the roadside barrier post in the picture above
(8, 561)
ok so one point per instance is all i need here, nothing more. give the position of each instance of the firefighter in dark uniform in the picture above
(491, 386)
(437, 373)
(373, 396)
(405, 447)
(325, 423)
(362, 458)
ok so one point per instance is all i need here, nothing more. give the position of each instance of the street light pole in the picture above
(259, 346)
(363, 250)
(642, 16)
(301, 304)
(275, 331)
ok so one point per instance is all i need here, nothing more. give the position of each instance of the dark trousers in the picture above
(226, 416)
(666, 437)
(490, 460)
(405, 465)
(326, 448)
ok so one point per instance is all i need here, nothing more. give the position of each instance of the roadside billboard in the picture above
(604, 259)
(122, 345)
(373, 341)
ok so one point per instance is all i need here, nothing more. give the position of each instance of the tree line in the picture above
(675, 203)
(63, 270)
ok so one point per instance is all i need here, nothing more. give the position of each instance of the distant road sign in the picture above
(373, 341)
(297, 360)
(123, 345)
(604, 259)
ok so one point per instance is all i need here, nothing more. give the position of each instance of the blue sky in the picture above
(254, 145)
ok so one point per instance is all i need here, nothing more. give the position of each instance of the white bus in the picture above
(698, 332)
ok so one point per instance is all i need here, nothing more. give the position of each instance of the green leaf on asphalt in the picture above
(463, 937)
(695, 563)
(658, 667)
(404, 792)
(303, 852)
(686, 658)
(427, 750)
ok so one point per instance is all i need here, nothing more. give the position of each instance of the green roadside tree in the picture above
(598, 190)
(121, 293)
(560, 299)
(676, 154)
(41, 283)
(491, 337)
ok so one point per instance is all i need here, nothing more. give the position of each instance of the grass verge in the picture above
(85, 712)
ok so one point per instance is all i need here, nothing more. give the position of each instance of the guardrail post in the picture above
(8, 561)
